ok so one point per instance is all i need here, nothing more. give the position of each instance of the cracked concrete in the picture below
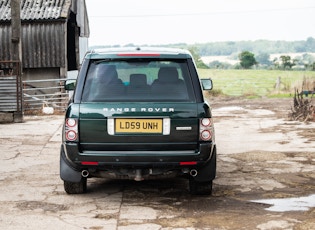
(261, 156)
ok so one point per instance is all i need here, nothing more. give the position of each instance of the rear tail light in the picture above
(206, 130)
(71, 129)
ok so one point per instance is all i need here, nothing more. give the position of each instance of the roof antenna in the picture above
(138, 48)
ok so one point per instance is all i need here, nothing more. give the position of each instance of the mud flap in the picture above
(208, 171)
(67, 173)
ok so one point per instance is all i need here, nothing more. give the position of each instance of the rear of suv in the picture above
(138, 113)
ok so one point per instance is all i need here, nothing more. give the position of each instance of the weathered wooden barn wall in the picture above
(5, 42)
(43, 44)
(50, 37)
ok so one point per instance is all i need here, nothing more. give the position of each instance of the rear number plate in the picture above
(140, 125)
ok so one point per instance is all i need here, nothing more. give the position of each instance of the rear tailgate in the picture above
(138, 126)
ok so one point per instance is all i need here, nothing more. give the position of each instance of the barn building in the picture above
(54, 37)
(54, 32)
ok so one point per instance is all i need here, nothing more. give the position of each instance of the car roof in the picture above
(137, 52)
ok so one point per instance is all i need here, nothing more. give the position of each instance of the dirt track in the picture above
(262, 157)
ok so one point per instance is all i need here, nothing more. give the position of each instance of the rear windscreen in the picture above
(138, 80)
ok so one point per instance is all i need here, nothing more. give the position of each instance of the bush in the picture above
(215, 92)
(303, 109)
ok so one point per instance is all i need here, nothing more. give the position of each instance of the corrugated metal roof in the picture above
(37, 9)
(43, 34)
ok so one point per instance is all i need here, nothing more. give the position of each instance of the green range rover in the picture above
(138, 113)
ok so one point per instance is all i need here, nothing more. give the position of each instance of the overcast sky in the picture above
(144, 22)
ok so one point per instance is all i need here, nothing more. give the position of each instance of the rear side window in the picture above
(138, 80)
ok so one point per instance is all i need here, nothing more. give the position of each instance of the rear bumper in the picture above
(102, 160)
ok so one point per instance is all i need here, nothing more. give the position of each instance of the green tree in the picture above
(247, 59)
(308, 61)
(219, 65)
(263, 59)
(197, 58)
(310, 44)
(276, 64)
(287, 63)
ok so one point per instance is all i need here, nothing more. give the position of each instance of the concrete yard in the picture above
(265, 179)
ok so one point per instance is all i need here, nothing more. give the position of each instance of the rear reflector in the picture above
(89, 163)
(188, 163)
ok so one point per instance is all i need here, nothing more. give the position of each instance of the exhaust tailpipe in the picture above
(193, 172)
(85, 173)
(138, 176)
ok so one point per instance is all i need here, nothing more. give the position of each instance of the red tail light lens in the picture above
(206, 129)
(70, 122)
(71, 135)
(205, 135)
(71, 129)
(206, 122)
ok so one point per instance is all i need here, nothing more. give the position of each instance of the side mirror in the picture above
(206, 84)
(70, 84)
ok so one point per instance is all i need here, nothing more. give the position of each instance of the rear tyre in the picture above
(75, 187)
(200, 188)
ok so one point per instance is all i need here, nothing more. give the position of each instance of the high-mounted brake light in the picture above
(138, 54)
(71, 129)
(206, 129)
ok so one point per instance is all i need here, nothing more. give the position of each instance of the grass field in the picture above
(254, 83)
